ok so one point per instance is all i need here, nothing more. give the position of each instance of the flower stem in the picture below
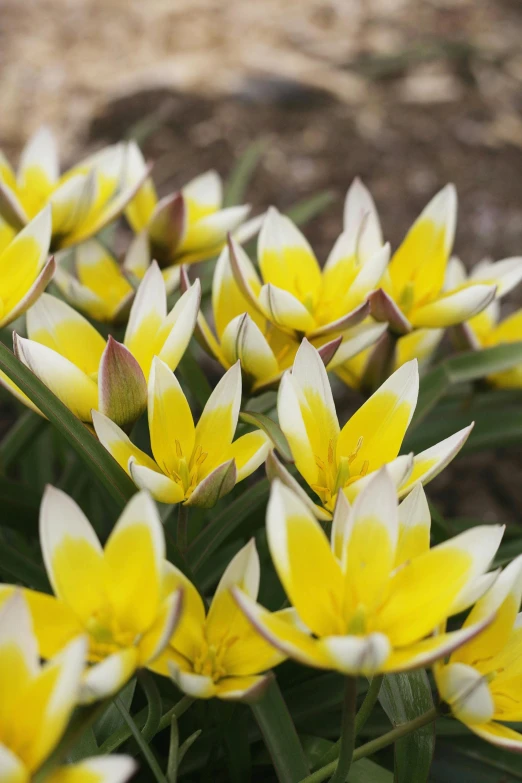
(182, 537)
(376, 744)
(146, 752)
(347, 741)
(366, 708)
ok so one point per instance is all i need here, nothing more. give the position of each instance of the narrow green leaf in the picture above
(241, 175)
(472, 365)
(272, 429)
(309, 208)
(432, 388)
(194, 379)
(280, 736)
(225, 523)
(111, 720)
(403, 698)
(17, 566)
(155, 706)
(103, 466)
(366, 771)
(19, 436)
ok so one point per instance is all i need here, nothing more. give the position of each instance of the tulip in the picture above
(93, 282)
(481, 680)
(293, 292)
(86, 372)
(184, 227)
(194, 465)
(118, 597)
(340, 461)
(25, 268)
(37, 703)
(264, 350)
(370, 600)
(218, 653)
(84, 200)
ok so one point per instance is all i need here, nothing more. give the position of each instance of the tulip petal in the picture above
(284, 309)
(147, 315)
(38, 170)
(13, 769)
(375, 432)
(156, 639)
(399, 469)
(454, 307)
(122, 389)
(174, 336)
(118, 444)
(361, 220)
(276, 470)
(22, 261)
(286, 259)
(11, 209)
(172, 431)
(72, 554)
(245, 275)
(55, 623)
(196, 685)
(204, 195)
(167, 227)
(106, 678)
(138, 258)
(217, 425)
(214, 486)
(19, 661)
(414, 526)
(432, 461)
(58, 326)
(189, 635)
(245, 689)
(420, 344)
(355, 341)
(228, 301)
(161, 487)
(140, 209)
(467, 693)
(32, 295)
(505, 274)
(249, 452)
(71, 385)
(304, 561)
(499, 735)
(340, 522)
(243, 340)
(110, 769)
(133, 556)
(79, 296)
(207, 236)
(71, 203)
(99, 272)
(357, 655)
(384, 308)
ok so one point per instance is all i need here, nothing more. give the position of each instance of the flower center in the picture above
(336, 475)
(209, 661)
(106, 636)
(186, 473)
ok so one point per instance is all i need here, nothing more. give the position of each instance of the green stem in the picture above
(25, 429)
(376, 744)
(182, 537)
(172, 763)
(280, 736)
(146, 752)
(347, 741)
(366, 708)
(154, 701)
(120, 736)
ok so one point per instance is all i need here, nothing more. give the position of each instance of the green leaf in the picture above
(111, 720)
(103, 466)
(432, 388)
(225, 523)
(309, 208)
(20, 568)
(20, 506)
(27, 427)
(242, 172)
(194, 379)
(404, 697)
(473, 365)
(366, 771)
(280, 736)
(270, 428)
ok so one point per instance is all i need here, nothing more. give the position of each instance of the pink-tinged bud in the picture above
(383, 308)
(122, 388)
(167, 227)
(328, 350)
(381, 363)
(215, 486)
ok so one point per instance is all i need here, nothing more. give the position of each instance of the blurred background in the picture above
(409, 95)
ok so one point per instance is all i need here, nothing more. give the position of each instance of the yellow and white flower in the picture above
(84, 200)
(184, 227)
(119, 597)
(481, 680)
(218, 653)
(193, 464)
(25, 267)
(37, 703)
(85, 371)
(334, 460)
(264, 350)
(370, 600)
(294, 293)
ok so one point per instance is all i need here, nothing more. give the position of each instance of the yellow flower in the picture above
(481, 681)
(369, 601)
(182, 228)
(486, 330)
(218, 653)
(295, 294)
(84, 199)
(85, 371)
(25, 269)
(37, 703)
(192, 464)
(93, 282)
(265, 351)
(118, 597)
(334, 460)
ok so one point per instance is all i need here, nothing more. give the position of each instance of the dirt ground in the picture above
(408, 95)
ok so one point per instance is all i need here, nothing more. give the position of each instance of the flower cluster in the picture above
(348, 525)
